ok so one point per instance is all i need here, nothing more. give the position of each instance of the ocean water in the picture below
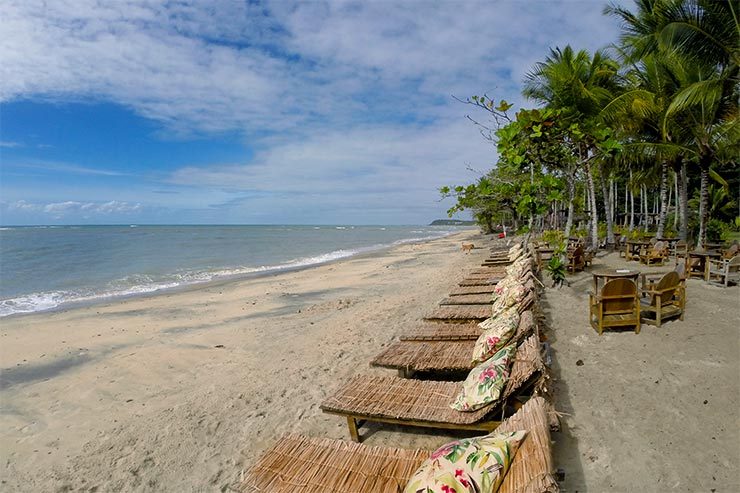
(42, 268)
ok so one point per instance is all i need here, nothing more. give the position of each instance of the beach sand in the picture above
(654, 412)
(183, 391)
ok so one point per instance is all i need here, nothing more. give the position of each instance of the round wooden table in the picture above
(609, 274)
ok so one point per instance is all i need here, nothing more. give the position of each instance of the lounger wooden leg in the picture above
(353, 433)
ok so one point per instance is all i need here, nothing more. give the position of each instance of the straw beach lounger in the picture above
(466, 290)
(299, 464)
(491, 281)
(426, 403)
(469, 299)
(441, 331)
(444, 355)
(460, 312)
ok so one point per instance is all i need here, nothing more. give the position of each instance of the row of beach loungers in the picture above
(439, 346)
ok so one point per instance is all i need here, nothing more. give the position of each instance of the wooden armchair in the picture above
(656, 253)
(664, 299)
(576, 259)
(588, 256)
(723, 271)
(681, 251)
(731, 252)
(617, 305)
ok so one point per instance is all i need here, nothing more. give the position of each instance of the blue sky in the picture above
(138, 111)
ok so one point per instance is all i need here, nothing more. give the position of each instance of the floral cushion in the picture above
(486, 381)
(496, 333)
(472, 465)
(511, 296)
(503, 286)
(519, 268)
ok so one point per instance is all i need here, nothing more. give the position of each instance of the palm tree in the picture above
(699, 38)
(579, 85)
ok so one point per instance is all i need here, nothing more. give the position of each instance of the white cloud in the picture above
(59, 209)
(347, 104)
(230, 66)
(10, 144)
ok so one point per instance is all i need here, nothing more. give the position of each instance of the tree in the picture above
(699, 38)
(578, 85)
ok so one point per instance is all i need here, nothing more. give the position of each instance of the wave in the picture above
(141, 284)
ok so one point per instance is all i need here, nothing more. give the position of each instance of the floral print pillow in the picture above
(472, 465)
(486, 381)
(518, 268)
(496, 333)
(511, 297)
(502, 286)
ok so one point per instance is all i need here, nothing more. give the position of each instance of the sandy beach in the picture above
(183, 391)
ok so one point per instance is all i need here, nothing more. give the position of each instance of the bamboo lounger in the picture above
(468, 299)
(426, 403)
(466, 290)
(447, 353)
(299, 464)
(443, 331)
(461, 312)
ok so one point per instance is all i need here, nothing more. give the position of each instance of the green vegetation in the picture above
(620, 143)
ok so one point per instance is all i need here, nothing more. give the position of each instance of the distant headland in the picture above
(451, 222)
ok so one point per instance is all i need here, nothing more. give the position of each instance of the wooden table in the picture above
(609, 274)
(632, 249)
(703, 267)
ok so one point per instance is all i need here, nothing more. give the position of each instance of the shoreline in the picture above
(259, 272)
(181, 391)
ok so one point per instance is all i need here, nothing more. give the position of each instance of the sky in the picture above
(243, 112)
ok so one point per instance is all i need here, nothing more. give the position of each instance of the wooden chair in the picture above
(666, 298)
(576, 260)
(617, 305)
(681, 251)
(656, 253)
(731, 252)
(622, 246)
(723, 271)
(588, 256)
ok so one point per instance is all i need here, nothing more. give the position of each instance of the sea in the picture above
(53, 267)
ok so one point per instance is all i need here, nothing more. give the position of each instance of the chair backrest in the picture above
(668, 282)
(680, 270)
(658, 247)
(732, 251)
(619, 296)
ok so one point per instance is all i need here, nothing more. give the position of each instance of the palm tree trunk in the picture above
(643, 194)
(626, 203)
(592, 205)
(663, 198)
(703, 207)
(676, 209)
(607, 209)
(632, 205)
(570, 180)
(683, 190)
